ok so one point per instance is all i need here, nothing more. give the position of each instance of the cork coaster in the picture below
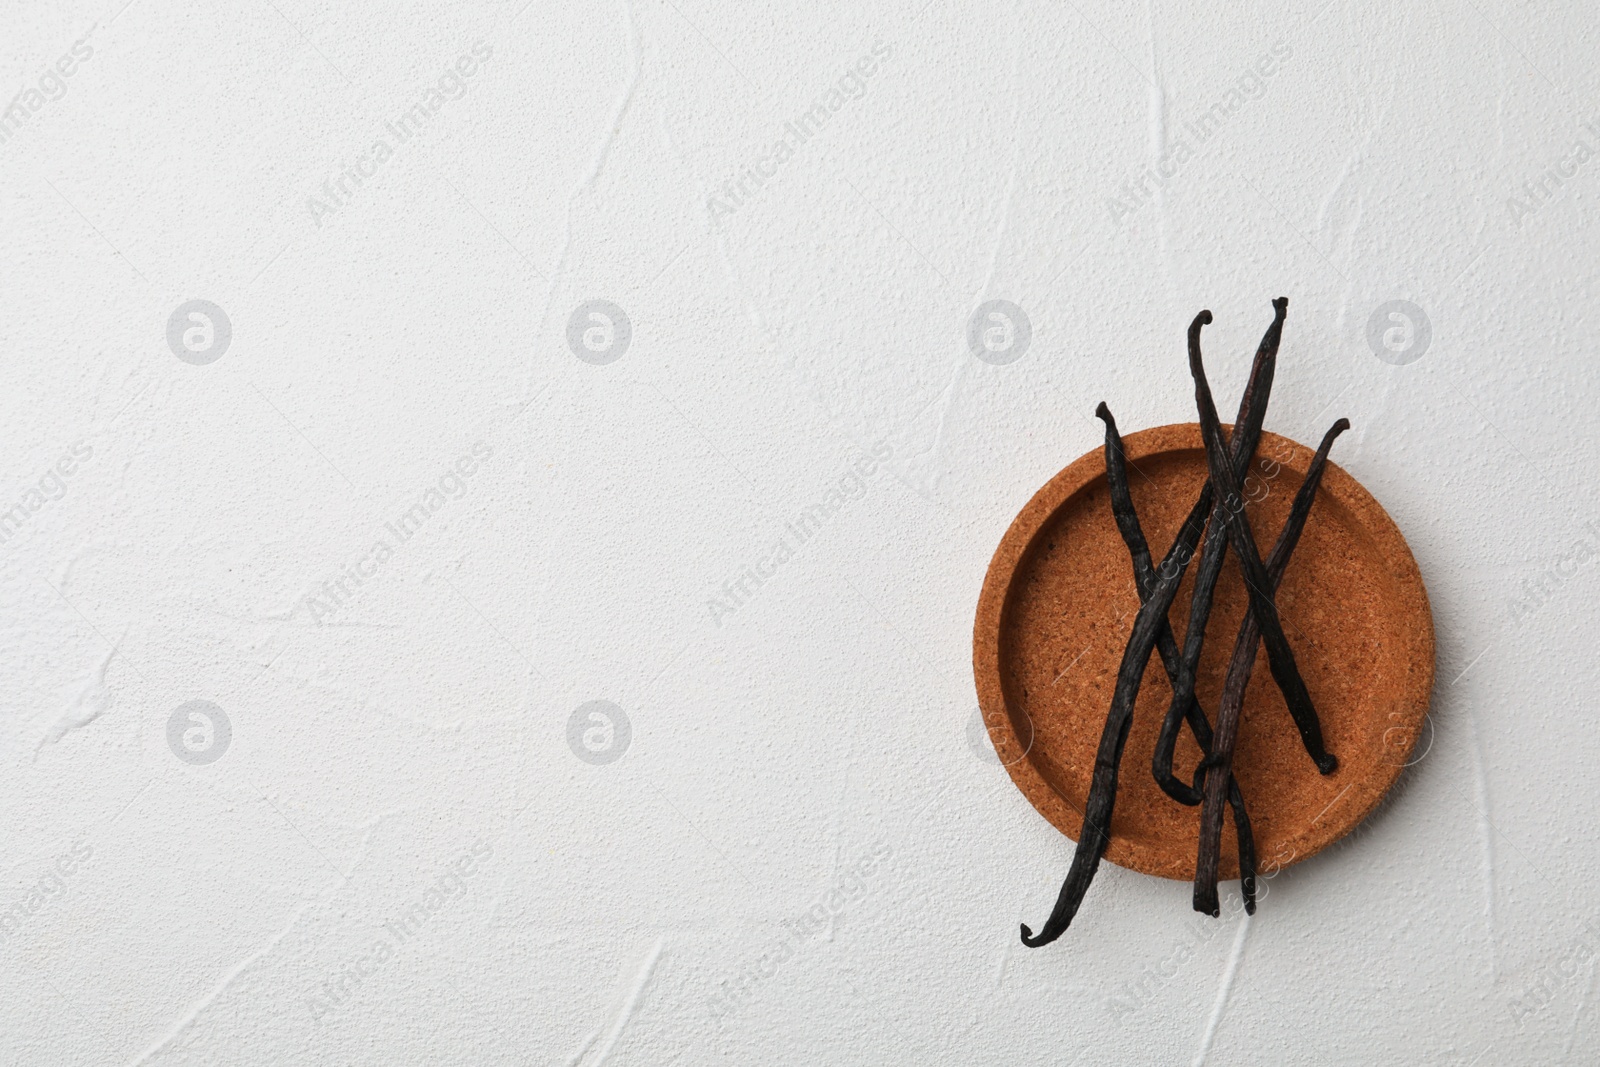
(1057, 606)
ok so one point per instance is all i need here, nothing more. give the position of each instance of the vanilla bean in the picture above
(1217, 767)
(1251, 410)
(1280, 657)
(1243, 443)
(1096, 832)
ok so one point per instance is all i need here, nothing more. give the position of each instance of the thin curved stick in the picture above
(1145, 577)
(1096, 832)
(1212, 554)
(1280, 657)
(1217, 767)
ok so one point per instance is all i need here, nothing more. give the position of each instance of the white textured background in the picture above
(800, 856)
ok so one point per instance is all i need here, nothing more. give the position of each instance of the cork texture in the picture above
(1058, 604)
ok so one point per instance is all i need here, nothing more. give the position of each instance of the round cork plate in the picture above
(1054, 617)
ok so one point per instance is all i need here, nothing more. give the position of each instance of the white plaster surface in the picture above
(806, 754)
